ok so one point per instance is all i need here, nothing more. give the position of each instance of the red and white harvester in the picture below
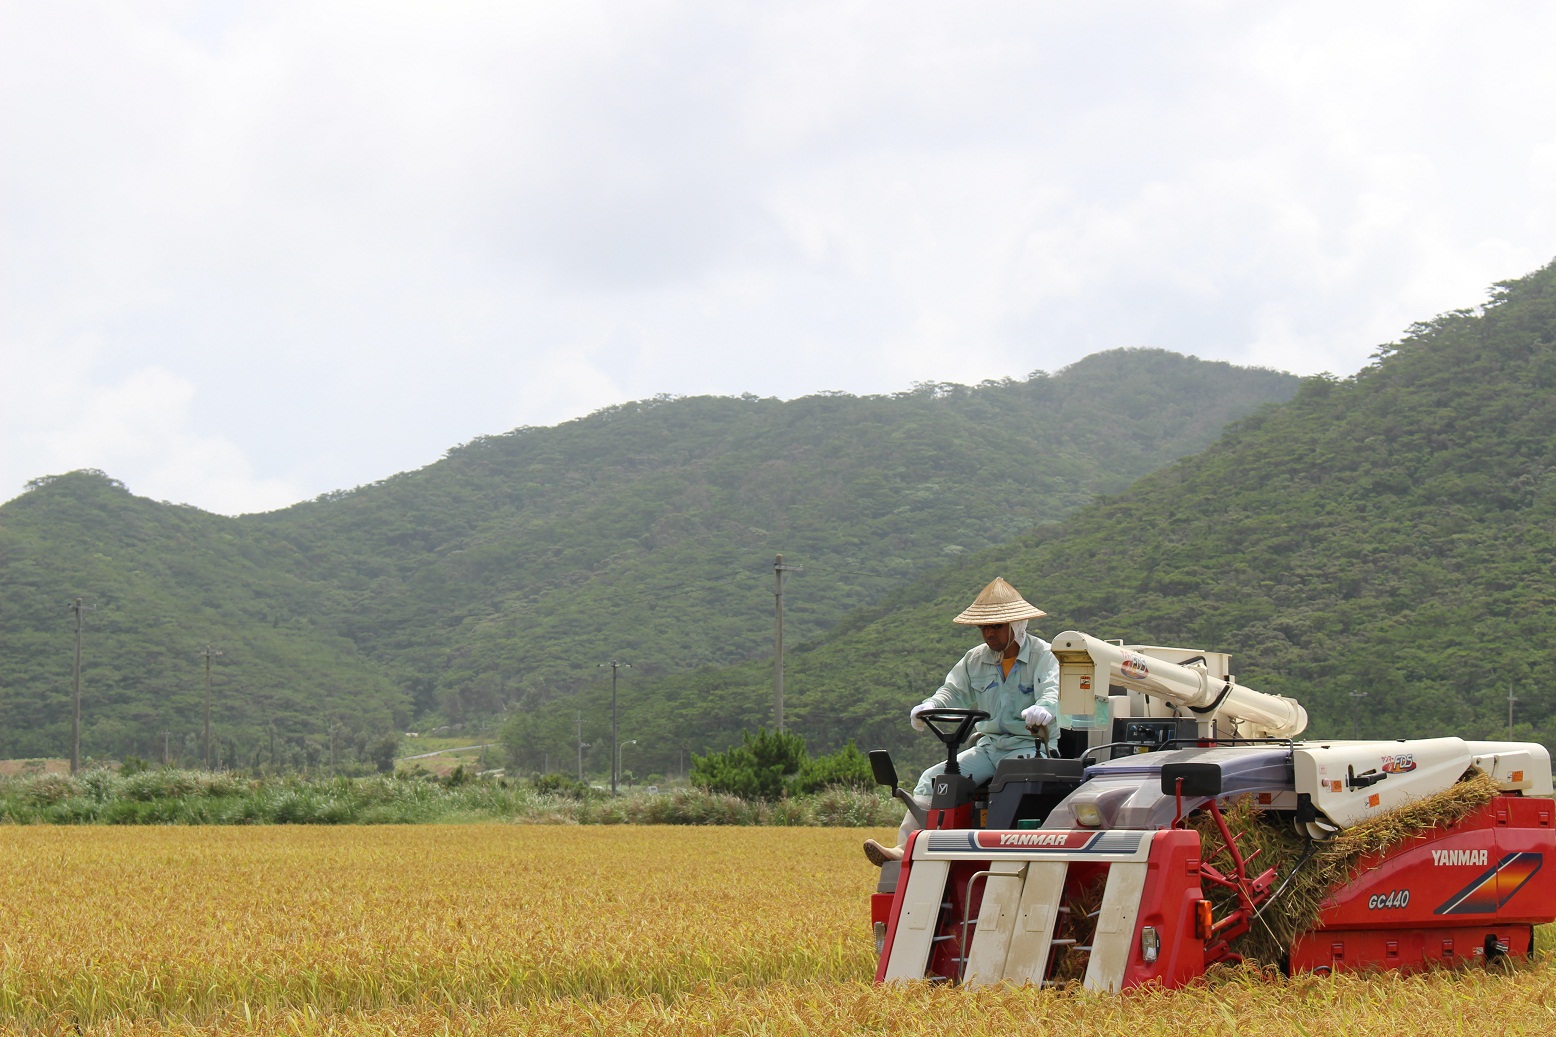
(1095, 870)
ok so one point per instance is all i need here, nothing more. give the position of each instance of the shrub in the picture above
(847, 767)
(769, 766)
(48, 789)
(847, 807)
(758, 768)
(199, 798)
(562, 785)
(383, 752)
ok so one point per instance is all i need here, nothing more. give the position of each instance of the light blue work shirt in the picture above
(978, 681)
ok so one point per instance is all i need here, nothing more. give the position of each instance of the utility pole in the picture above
(1510, 701)
(209, 653)
(75, 724)
(1356, 697)
(614, 749)
(582, 745)
(164, 748)
(778, 572)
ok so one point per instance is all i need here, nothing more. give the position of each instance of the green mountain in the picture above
(161, 583)
(503, 575)
(1382, 547)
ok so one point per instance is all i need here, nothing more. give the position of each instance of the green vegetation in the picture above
(161, 583)
(771, 764)
(500, 577)
(203, 798)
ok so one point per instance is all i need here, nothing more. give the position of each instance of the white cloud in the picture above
(286, 248)
(59, 420)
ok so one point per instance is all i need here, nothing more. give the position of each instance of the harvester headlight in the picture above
(1087, 814)
(1150, 943)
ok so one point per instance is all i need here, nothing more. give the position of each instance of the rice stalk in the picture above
(1308, 874)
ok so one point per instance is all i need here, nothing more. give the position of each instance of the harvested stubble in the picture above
(507, 929)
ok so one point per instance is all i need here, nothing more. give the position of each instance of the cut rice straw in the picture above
(1309, 873)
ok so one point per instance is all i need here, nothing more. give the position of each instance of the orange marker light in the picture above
(1202, 920)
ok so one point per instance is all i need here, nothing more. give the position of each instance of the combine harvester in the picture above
(1122, 868)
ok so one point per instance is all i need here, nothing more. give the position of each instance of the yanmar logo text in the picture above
(1445, 857)
(1399, 764)
(1034, 839)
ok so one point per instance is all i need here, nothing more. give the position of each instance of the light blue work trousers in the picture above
(978, 763)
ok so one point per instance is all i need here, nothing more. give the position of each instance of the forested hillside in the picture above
(1383, 548)
(500, 577)
(160, 583)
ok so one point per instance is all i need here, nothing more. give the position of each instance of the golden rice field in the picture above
(565, 930)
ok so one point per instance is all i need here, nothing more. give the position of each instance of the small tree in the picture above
(562, 785)
(769, 765)
(757, 768)
(382, 753)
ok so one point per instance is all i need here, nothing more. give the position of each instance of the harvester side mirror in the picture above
(885, 773)
(1199, 779)
(884, 770)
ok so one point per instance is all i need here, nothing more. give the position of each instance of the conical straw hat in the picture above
(998, 603)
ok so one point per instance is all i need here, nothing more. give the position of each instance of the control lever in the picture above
(1361, 781)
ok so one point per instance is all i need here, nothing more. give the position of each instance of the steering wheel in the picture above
(953, 738)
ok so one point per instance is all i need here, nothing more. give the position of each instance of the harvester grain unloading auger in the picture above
(1095, 870)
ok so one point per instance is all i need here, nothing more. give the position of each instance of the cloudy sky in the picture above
(250, 253)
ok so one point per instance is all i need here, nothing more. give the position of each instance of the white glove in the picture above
(922, 707)
(1035, 716)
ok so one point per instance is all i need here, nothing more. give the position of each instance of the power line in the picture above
(855, 572)
(700, 585)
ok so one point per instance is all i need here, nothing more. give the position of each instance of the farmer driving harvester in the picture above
(1012, 676)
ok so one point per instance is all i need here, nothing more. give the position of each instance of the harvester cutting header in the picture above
(1192, 827)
